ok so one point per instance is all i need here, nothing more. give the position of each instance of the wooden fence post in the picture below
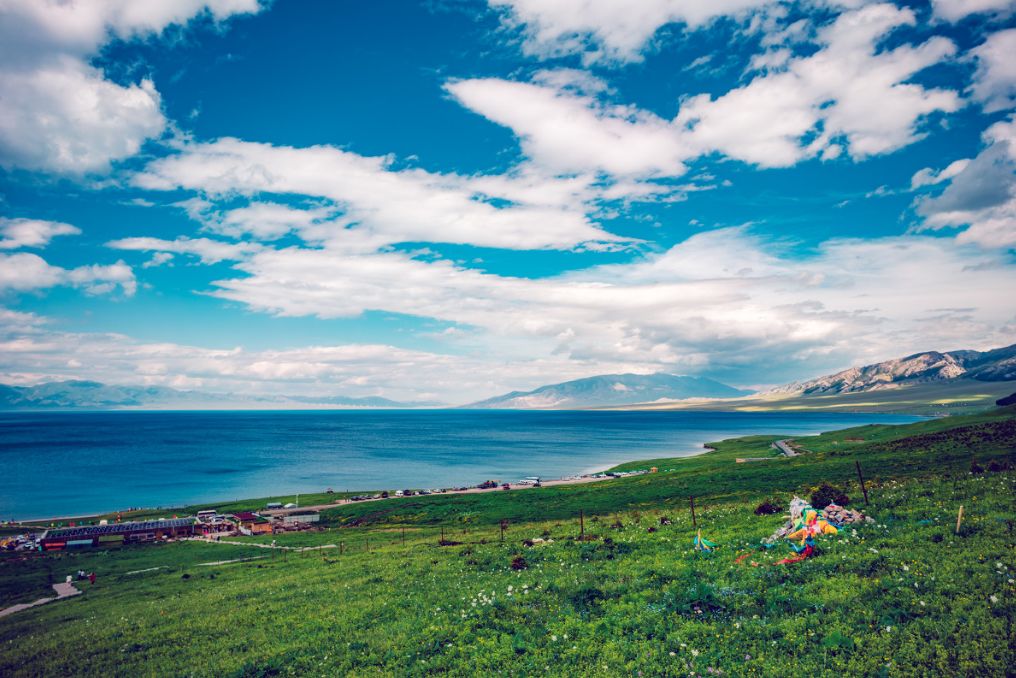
(959, 519)
(582, 525)
(860, 477)
(403, 536)
(691, 500)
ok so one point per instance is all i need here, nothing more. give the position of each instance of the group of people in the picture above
(81, 576)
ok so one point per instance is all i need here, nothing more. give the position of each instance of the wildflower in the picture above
(993, 598)
(694, 653)
(673, 654)
(554, 638)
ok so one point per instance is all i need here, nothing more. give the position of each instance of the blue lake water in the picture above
(73, 463)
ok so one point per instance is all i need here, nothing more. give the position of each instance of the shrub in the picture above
(976, 468)
(826, 494)
(519, 563)
(768, 507)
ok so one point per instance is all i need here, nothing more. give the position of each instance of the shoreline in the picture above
(555, 482)
(583, 476)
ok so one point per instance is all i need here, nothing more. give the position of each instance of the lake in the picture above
(74, 463)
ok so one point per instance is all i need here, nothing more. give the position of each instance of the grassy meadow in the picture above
(907, 595)
(936, 398)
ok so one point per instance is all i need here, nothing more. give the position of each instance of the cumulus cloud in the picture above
(981, 197)
(571, 132)
(59, 113)
(17, 233)
(954, 10)
(379, 204)
(23, 272)
(930, 177)
(850, 95)
(30, 352)
(691, 309)
(208, 251)
(724, 301)
(994, 82)
(608, 30)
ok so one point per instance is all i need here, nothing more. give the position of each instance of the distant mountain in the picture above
(609, 390)
(95, 395)
(995, 365)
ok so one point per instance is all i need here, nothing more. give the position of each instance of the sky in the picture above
(446, 200)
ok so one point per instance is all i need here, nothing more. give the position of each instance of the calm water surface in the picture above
(72, 463)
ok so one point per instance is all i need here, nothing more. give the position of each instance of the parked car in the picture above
(506, 486)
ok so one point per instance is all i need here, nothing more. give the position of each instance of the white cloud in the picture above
(954, 10)
(981, 197)
(207, 250)
(569, 132)
(23, 272)
(267, 221)
(611, 30)
(929, 177)
(378, 204)
(994, 82)
(17, 233)
(59, 113)
(848, 94)
(723, 301)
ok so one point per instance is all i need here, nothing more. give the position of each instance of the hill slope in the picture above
(611, 389)
(995, 365)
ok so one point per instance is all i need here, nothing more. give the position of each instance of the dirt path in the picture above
(63, 590)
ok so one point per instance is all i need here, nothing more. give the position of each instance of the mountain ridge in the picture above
(927, 366)
(86, 394)
(610, 390)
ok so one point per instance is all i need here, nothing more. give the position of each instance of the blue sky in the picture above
(447, 200)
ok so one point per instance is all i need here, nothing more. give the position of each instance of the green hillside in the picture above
(906, 595)
(957, 396)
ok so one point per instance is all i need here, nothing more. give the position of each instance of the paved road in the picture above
(784, 447)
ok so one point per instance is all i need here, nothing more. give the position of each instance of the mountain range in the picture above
(611, 390)
(931, 366)
(951, 370)
(95, 395)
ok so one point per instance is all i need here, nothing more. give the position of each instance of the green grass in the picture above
(956, 396)
(904, 596)
(715, 476)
